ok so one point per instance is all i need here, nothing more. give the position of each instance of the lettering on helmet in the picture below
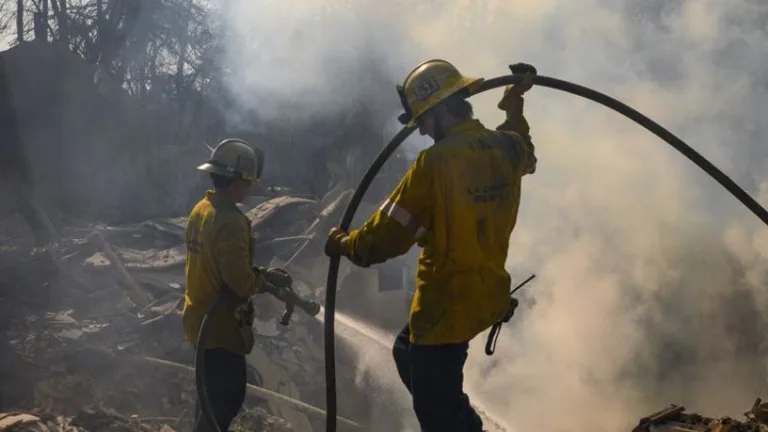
(426, 88)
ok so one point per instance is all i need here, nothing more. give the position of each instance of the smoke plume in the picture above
(651, 283)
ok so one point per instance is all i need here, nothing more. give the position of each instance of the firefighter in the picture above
(458, 201)
(219, 256)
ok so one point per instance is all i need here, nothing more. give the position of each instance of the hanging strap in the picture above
(493, 335)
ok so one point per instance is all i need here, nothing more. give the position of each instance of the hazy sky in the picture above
(648, 271)
(651, 280)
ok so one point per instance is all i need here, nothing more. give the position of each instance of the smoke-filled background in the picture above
(651, 279)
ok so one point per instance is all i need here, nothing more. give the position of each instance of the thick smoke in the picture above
(650, 276)
(652, 280)
(313, 57)
(319, 61)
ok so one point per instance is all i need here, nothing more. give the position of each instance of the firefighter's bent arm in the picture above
(232, 251)
(402, 220)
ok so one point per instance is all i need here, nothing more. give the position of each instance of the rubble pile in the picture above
(91, 336)
(675, 419)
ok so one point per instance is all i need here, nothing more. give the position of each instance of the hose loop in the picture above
(505, 80)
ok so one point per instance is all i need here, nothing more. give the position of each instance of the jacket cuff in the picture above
(347, 248)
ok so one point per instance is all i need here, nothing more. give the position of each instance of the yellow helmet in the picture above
(235, 158)
(430, 83)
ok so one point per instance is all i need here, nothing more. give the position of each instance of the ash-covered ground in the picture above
(89, 344)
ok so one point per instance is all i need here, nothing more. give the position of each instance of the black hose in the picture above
(386, 152)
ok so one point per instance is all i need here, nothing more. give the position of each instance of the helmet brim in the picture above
(473, 84)
(213, 169)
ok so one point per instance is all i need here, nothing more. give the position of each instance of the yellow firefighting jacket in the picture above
(219, 253)
(459, 201)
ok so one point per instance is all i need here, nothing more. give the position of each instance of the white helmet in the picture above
(235, 158)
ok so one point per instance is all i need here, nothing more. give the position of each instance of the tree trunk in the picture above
(183, 46)
(44, 11)
(19, 21)
(38, 21)
(181, 106)
(99, 14)
(62, 20)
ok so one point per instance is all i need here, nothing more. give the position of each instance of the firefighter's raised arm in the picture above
(512, 104)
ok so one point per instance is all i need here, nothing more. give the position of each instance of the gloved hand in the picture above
(513, 304)
(274, 278)
(521, 68)
(334, 246)
(278, 277)
(529, 71)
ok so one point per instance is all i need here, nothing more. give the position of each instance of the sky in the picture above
(651, 282)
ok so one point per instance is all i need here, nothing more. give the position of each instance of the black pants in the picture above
(225, 380)
(434, 375)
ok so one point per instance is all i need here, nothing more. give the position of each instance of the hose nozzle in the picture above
(312, 308)
(291, 300)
